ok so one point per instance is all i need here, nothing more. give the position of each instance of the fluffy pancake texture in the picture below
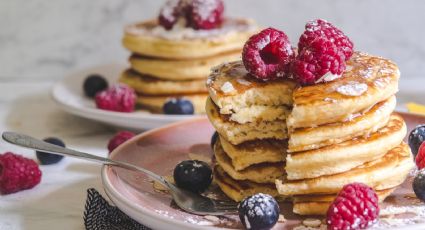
(383, 173)
(150, 39)
(237, 190)
(367, 81)
(180, 70)
(237, 133)
(344, 156)
(254, 152)
(359, 124)
(259, 173)
(247, 99)
(155, 103)
(148, 85)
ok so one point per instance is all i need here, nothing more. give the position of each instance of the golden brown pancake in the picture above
(150, 39)
(360, 124)
(148, 85)
(237, 133)
(383, 173)
(238, 190)
(367, 81)
(344, 156)
(259, 173)
(254, 152)
(246, 99)
(180, 70)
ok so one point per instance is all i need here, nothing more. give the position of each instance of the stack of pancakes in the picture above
(175, 63)
(327, 135)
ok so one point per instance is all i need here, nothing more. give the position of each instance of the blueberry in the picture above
(214, 138)
(193, 175)
(49, 158)
(93, 84)
(419, 185)
(416, 137)
(178, 106)
(259, 211)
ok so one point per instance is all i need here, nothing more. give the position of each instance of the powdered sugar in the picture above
(181, 32)
(205, 8)
(227, 87)
(352, 88)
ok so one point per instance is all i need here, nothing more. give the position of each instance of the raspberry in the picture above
(169, 14)
(420, 158)
(119, 138)
(120, 98)
(204, 14)
(322, 28)
(315, 62)
(267, 55)
(17, 173)
(355, 207)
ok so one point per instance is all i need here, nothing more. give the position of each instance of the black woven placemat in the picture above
(100, 215)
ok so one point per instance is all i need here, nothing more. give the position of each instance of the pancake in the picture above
(246, 99)
(386, 172)
(318, 205)
(344, 156)
(358, 125)
(237, 133)
(254, 152)
(238, 190)
(154, 103)
(259, 173)
(180, 70)
(148, 85)
(150, 39)
(367, 81)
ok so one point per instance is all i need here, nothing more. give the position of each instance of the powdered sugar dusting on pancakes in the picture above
(352, 88)
(181, 32)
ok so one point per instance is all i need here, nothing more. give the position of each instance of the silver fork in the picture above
(186, 200)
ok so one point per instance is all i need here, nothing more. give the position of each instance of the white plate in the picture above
(68, 94)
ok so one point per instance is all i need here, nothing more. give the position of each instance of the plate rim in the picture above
(104, 115)
(114, 194)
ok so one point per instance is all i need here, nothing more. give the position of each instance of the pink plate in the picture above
(161, 149)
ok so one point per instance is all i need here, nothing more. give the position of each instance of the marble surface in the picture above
(42, 41)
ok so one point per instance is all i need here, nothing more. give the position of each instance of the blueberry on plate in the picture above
(178, 106)
(93, 84)
(419, 185)
(193, 175)
(214, 138)
(49, 158)
(416, 137)
(259, 212)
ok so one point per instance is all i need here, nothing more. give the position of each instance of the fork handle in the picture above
(33, 143)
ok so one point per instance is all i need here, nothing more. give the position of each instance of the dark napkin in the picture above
(100, 215)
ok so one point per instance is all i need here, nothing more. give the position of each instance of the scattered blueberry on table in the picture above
(49, 158)
(193, 175)
(419, 185)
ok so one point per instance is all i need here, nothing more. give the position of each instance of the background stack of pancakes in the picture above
(175, 63)
(338, 133)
